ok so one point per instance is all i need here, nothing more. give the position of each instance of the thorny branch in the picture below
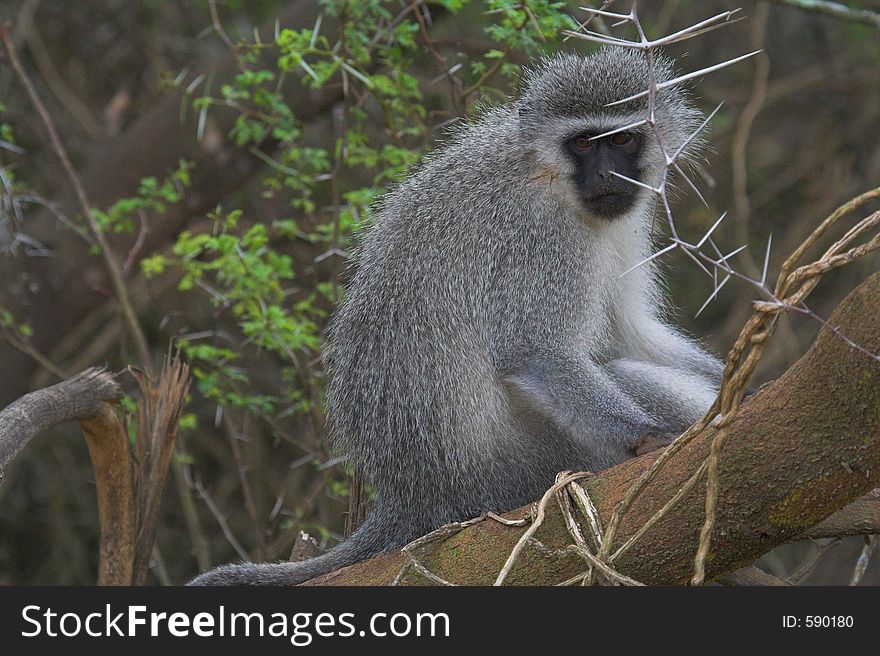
(792, 287)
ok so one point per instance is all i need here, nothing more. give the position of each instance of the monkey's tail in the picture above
(374, 536)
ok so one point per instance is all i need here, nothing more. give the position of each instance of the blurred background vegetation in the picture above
(231, 151)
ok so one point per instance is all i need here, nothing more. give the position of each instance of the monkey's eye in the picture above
(583, 143)
(621, 138)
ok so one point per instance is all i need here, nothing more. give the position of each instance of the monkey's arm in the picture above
(661, 344)
(676, 397)
(581, 398)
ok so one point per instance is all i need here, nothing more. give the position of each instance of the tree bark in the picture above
(128, 486)
(85, 398)
(861, 517)
(111, 463)
(800, 449)
(79, 397)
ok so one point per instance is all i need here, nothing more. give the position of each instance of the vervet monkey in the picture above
(488, 339)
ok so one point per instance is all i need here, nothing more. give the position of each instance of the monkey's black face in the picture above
(603, 194)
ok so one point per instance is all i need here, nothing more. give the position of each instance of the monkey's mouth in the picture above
(608, 204)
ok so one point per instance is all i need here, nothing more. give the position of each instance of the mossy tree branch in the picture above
(798, 455)
(803, 448)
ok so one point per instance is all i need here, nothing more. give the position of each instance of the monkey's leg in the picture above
(582, 400)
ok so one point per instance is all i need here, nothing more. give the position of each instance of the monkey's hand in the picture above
(651, 442)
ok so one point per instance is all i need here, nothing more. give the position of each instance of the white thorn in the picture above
(696, 132)
(711, 230)
(713, 295)
(685, 78)
(623, 129)
(636, 182)
(648, 259)
(766, 260)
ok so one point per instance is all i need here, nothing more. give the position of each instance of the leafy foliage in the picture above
(152, 197)
(381, 132)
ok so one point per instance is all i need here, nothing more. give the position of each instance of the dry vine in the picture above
(793, 285)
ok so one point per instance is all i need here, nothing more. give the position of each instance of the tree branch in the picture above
(108, 449)
(80, 397)
(801, 449)
(751, 575)
(835, 9)
(861, 517)
(129, 489)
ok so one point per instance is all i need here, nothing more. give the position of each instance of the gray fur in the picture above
(487, 341)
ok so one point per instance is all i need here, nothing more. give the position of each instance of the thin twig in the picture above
(864, 559)
(221, 520)
(218, 27)
(836, 9)
(113, 268)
